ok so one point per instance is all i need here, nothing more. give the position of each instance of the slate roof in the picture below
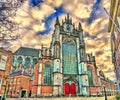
(19, 72)
(27, 52)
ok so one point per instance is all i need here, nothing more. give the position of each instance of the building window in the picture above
(34, 62)
(27, 62)
(3, 60)
(0, 83)
(19, 60)
(13, 61)
(47, 74)
(69, 57)
(116, 34)
(90, 76)
(119, 47)
(11, 81)
(18, 81)
(14, 81)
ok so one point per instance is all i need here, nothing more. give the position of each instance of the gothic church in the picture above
(62, 69)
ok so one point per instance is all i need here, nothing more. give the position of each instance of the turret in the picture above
(81, 44)
(57, 22)
(57, 39)
(80, 27)
(57, 29)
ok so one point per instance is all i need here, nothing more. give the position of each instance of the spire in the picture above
(67, 16)
(57, 21)
(80, 27)
(74, 26)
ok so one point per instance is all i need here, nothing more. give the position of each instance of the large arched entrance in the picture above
(70, 89)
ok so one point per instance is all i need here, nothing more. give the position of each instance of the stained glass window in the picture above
(69, 57)
(90, 76)
(27, 62)
(47, 74)
(34, 62)
(13, 61)
(19, 60)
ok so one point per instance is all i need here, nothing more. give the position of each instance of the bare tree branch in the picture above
(8, 27)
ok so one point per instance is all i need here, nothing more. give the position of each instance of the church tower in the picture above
(57, 76)
(81, 44)
(68, 48)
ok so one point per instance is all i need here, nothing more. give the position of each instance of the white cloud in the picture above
(32, 20)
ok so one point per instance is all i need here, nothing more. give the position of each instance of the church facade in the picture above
(64, 68)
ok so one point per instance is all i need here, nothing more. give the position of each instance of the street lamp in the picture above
(105, 93)
(4, 96)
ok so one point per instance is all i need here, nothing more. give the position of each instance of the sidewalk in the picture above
(66, 98)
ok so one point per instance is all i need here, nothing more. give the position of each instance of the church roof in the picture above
(27, 52)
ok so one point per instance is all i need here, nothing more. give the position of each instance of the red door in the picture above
(73, 89)
(66, 88)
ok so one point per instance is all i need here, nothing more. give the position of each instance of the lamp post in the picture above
(105, 93)
(4, 96)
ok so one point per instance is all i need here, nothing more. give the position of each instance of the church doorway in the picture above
(70, 89)
(23, 93)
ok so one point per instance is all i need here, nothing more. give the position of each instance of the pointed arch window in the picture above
(90, 76)
(27, 62)
(20, 60)
(69, 57)
(48, 74)
(34, 62)
(13, 61)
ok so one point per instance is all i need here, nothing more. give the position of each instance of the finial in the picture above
(71, 20)
(62, 21)
(57, 21)
(68, 16)
(65, 18)
(74, 25)
(41, 45)
(80, 25)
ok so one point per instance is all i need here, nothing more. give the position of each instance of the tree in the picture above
(8, 27)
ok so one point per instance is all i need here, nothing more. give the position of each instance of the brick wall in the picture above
(4, 73)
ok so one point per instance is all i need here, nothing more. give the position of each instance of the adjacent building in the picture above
(115, 36)
(5, 68)
(22, 76)
(106, 85)
(19, 84)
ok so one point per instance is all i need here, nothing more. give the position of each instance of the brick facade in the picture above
(5, 68)
(115, 37)
(110, 86)
(18, 83)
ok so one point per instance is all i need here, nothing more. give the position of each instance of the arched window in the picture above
(13, 61)
(45, 52)
(19, 60)
(34, 62)
(27, 62)
(69, 57)
(90, 76)
(47, 74)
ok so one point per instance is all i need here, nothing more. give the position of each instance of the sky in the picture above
(37, 18)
